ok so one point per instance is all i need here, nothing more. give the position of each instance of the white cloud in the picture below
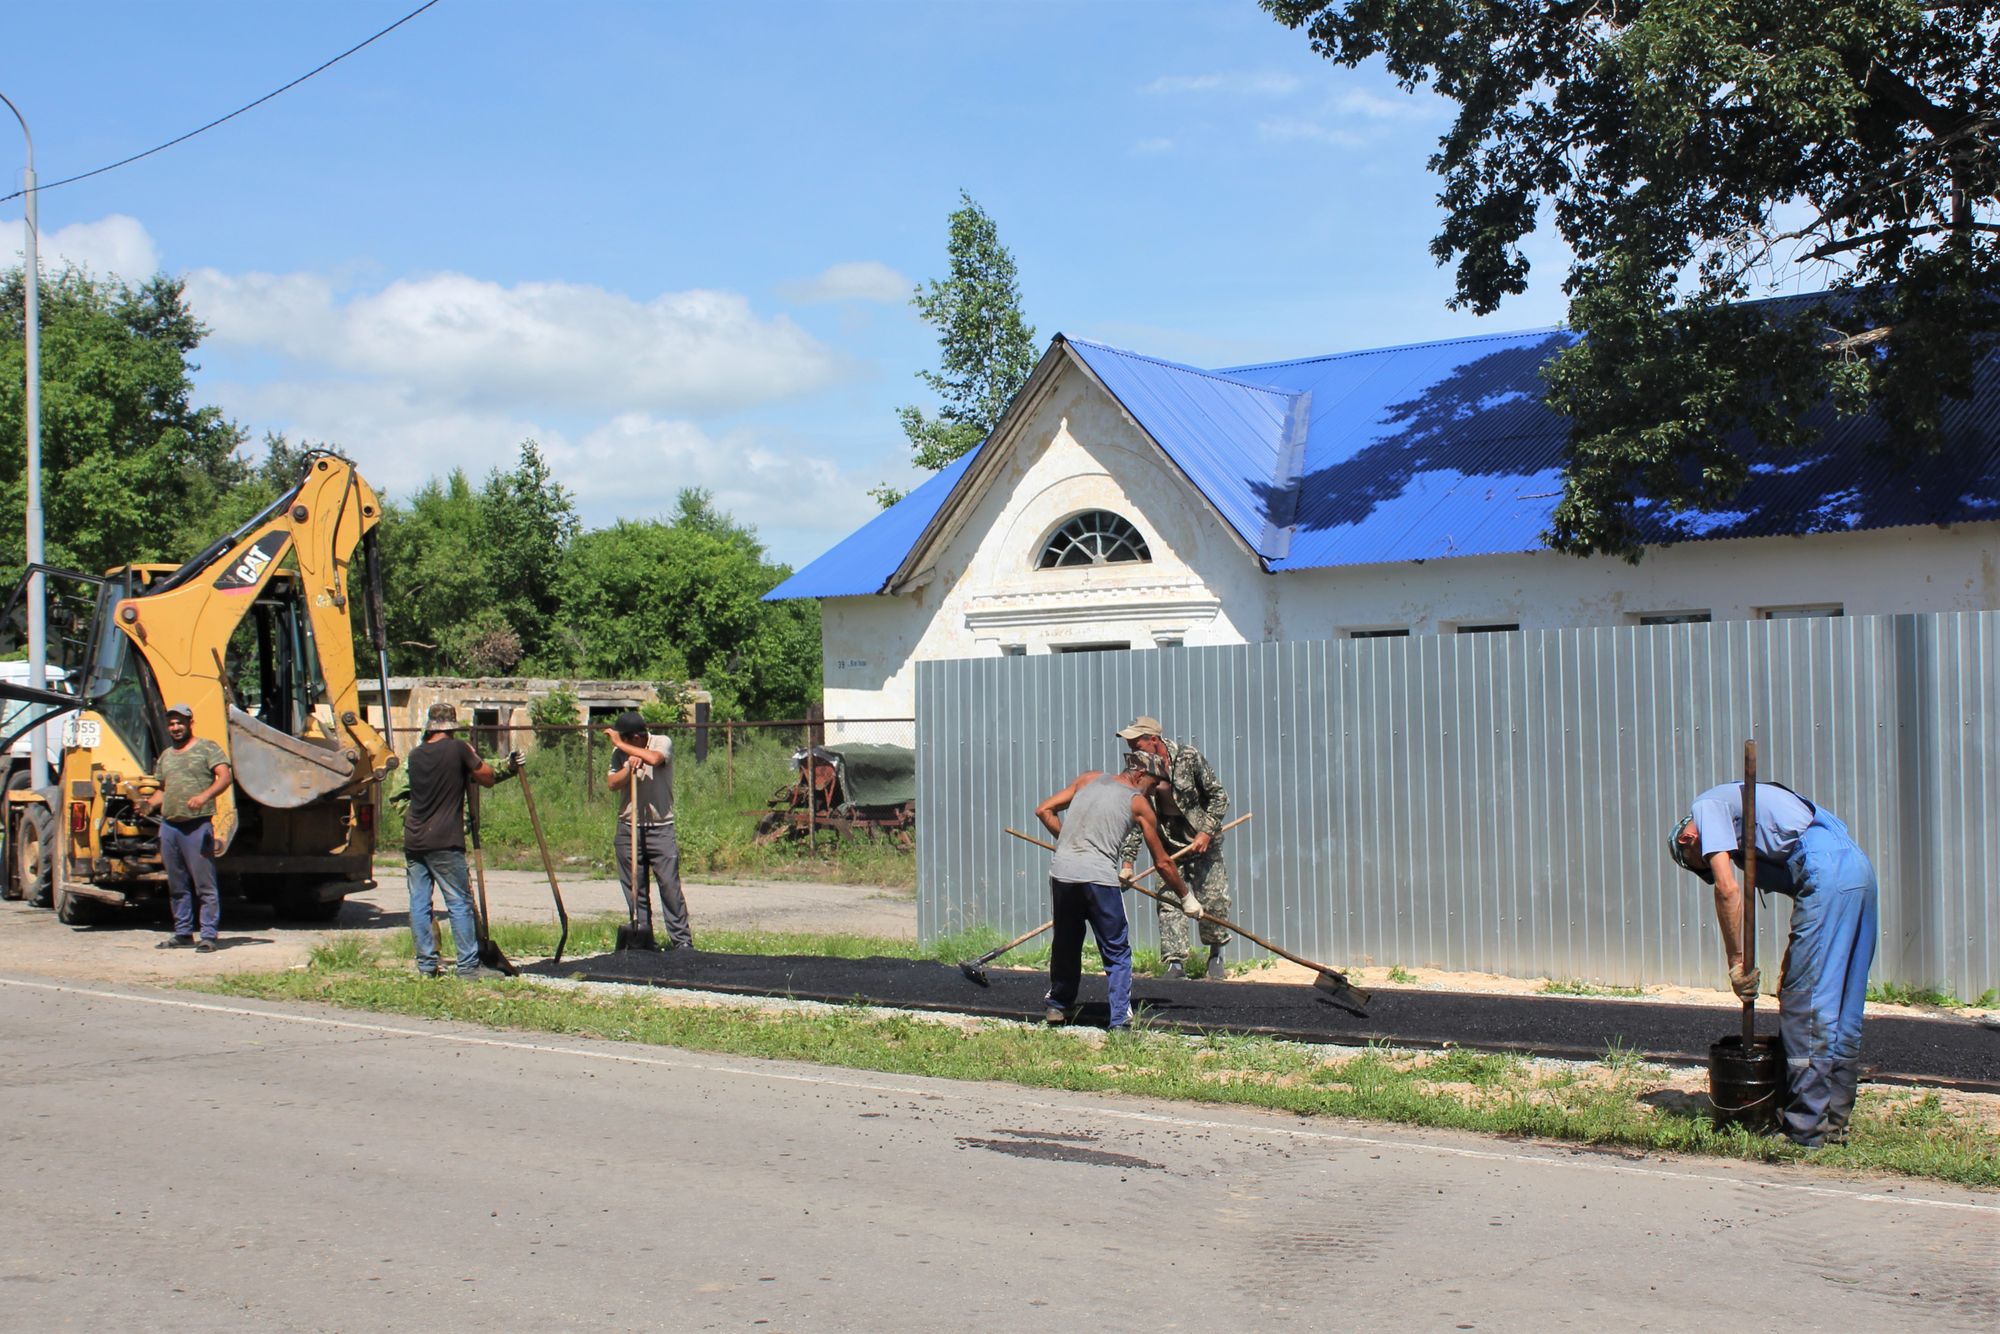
(629, 465)
(114, 246)
(1243, 83)
(1151, 146)
(466, 340)
(1291, 129)
(1360, 102)
(856, 280)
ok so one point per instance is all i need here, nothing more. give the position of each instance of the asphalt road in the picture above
(1900, 1048)
(178, 1162)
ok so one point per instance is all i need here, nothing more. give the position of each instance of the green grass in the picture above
(1894, 1130)
(598, 934)
(715, 817)
(1398, 973)
(1576, 986)
(1895, 993)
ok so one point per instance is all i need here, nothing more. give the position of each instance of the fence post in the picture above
(701, 712)
(729, 759)
(589, 762)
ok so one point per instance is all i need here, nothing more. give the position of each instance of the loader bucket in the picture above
(282, 772)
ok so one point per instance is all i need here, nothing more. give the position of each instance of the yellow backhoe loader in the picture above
(256, 635)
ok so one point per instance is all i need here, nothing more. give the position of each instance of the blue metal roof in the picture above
(1229, 436)
(865, 558)
(1445, 449)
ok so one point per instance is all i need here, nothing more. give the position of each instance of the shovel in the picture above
(490, 954)
(632, 936)
(975, 969)
(1338, 989)
(548, 864)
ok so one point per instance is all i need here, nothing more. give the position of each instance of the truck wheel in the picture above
(76, 910)
(34, 855)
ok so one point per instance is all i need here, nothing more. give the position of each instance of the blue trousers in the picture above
(1103, 907)
(445, 869)
(1825, 979)
(187, 851)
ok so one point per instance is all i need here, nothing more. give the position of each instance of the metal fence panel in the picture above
(1499, 802)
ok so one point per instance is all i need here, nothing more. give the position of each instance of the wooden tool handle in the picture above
(1749, 886)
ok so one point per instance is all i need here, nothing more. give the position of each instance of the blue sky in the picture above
(675, 242)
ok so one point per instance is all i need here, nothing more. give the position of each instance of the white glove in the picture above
(1190, 905)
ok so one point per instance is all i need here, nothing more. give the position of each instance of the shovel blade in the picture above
(492, 956)
(973, 972)
(632, 938)
(1343, 993)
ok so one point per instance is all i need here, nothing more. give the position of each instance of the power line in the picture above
(122, 162)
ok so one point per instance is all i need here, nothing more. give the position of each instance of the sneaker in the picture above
(176, 943)
(1055, 1014)
(1175, 972)
(204, 946)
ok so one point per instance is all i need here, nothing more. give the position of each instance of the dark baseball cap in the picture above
(630, 723)
(180, 711)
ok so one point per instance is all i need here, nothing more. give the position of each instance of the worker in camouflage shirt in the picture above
(1192, 815)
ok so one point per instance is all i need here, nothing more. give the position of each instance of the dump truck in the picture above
(256, 636)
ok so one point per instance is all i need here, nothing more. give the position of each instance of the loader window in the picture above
(118, 677)
(273, 666)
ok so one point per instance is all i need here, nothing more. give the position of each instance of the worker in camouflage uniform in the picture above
(1191, 813)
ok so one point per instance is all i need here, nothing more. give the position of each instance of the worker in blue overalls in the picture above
(1802, 850)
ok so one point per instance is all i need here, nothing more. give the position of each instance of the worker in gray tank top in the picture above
(1090, 819)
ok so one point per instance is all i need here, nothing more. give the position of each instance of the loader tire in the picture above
(76, 910)
(34, 855)
(299, 908)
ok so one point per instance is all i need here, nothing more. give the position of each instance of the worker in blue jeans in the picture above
(1805, 851)
(1089, 819)
(439, 770)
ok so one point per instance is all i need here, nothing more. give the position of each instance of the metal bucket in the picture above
(1745, 1088)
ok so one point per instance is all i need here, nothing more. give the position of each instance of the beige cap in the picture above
(180, 711)
(1143, 725)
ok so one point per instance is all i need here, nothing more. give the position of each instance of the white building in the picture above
(1130, 503)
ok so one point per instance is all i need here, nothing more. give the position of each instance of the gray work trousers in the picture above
(659, 855)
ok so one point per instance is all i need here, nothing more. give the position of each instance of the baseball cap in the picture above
(442, 717)
(630, 723)
(1143, 725)
(180, 711)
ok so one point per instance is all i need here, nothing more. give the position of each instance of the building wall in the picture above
(1868, 573)
(1079, 451)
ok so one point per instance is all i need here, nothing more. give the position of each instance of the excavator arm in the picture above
(182, 625)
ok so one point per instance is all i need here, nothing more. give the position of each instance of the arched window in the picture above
(1097, 537)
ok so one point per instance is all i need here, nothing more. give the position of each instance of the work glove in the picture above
(514, 761)
(1125, 876)
(1191, 905)
(1745, 985)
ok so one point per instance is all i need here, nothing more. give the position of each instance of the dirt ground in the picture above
(253, 941)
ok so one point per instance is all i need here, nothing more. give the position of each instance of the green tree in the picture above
(986, 348)
(132, 468)
(528, 520)
(434, 575)
(1688, 151)
(667, 602)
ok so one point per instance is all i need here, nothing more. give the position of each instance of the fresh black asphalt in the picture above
(1903, 1049)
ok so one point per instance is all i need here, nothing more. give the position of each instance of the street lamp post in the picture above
(38, 648)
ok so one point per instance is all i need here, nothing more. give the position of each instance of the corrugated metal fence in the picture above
(1501, 802)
